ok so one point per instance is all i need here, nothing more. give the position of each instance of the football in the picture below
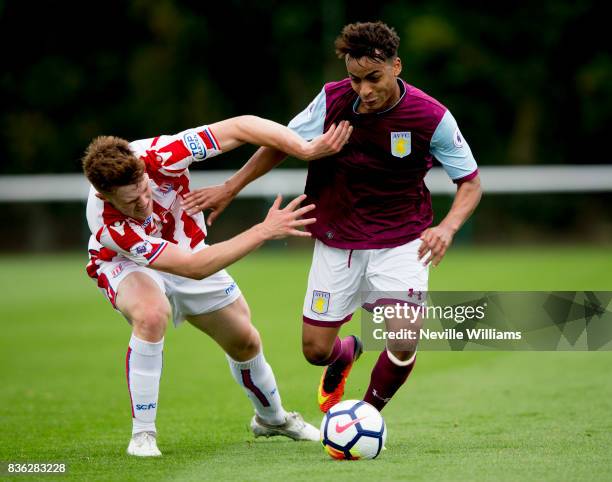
(352, 430)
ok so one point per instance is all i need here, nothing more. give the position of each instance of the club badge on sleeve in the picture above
(401, 144)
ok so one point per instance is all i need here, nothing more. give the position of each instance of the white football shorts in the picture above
(187, 297)
(342, 280)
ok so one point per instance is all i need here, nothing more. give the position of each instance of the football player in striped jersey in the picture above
(149, 257)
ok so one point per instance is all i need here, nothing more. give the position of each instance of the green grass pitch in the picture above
(466, 416)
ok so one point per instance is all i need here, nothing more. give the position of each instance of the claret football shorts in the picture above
(342, 280)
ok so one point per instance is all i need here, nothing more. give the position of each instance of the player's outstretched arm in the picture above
(217, 198)
(249, 129)
(279, 223)
(436, 240)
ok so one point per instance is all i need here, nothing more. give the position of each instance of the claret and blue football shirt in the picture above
(372, 194)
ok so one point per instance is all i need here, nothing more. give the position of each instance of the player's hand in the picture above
(331, 142)
(435, 242)
(214, 198)
(280, 223)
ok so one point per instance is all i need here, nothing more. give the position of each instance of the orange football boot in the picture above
(331, 387)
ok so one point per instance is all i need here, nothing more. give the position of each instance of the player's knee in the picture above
(250, 344)
(316, 353)
(150, 320)
(247, 346)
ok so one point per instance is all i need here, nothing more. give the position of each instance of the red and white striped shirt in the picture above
(167, 160)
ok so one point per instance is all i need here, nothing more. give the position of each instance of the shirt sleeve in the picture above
(309, 123)
(176, 153)
(131, 241)
(450, 148)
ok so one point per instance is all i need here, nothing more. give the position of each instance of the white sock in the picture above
(257, 379)
(143, 365)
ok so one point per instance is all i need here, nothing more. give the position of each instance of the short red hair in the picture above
(109, 163)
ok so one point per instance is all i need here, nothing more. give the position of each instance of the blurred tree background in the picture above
(529, 82)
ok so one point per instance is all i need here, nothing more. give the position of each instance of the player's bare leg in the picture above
(142, 302)
(395, 363)
(322, 346)
(231, 328)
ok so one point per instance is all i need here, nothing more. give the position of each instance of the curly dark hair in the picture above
(109, 163)
(375, 40)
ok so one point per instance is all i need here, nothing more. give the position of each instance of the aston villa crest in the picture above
(320, 302)
(401, 144)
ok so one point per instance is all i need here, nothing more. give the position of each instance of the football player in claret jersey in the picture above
(149, 257)
(374, 230)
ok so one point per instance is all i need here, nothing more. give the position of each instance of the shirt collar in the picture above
(402, 94)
